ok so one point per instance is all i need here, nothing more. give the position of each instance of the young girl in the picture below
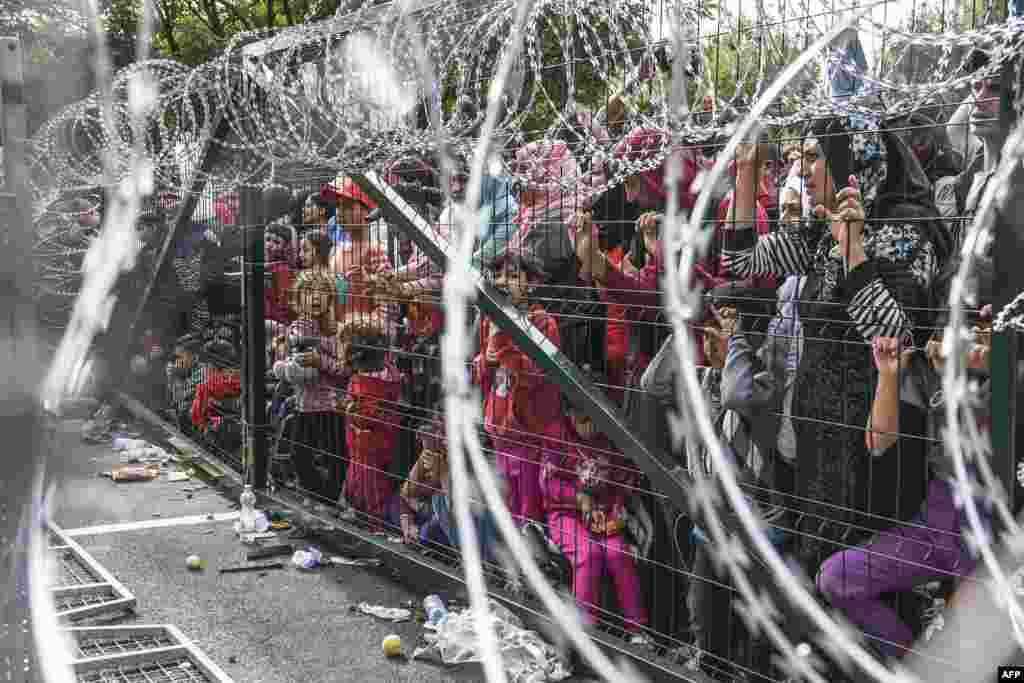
(521, 406)
(426, 497)
(586, 483)
(373, 414)
(308, 359)
(280, 254)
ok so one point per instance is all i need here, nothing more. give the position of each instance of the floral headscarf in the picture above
(866, 153)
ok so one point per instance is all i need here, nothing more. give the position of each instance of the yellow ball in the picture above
(392, 646)
(194, 562)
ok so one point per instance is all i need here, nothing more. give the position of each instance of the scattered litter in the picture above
(252, 568)
(135, 472)
(270, 551)
(526, 656)
(392, 646)
(310, 558)
(179, 476)
(337, 560)
(254, 538)
(280, 526)
(393, 614)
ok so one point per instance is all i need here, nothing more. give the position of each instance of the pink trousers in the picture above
(590, 556)
(519, 465)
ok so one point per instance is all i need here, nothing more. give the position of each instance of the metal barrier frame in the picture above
(183, 647)
(124, 600)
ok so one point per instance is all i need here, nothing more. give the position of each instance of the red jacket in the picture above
(373, 416)
(520, 401)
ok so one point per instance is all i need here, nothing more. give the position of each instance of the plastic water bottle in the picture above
(124, 444)
(247, 513)
(433, 605)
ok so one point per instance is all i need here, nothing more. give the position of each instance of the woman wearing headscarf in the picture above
(870, 254)
(551, 190)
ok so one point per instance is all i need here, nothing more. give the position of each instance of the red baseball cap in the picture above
(345, 187)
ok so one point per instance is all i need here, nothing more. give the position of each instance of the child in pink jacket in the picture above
(586, 482)
(522, 407)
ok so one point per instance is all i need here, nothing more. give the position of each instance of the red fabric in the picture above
(521, 401)
(371, 434)
(644, 142)
(220, 385)
(275, 297)
(347, 190)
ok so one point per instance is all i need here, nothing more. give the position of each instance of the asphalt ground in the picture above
(285, 625)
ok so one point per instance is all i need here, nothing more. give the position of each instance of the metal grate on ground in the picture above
(83, 588)
(140, 654)
(171, 669)
(73, 571)
(114, 644)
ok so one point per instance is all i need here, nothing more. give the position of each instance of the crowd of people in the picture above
(826, 283)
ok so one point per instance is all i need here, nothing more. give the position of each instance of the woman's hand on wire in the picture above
(309, 360)
(891, 355)
(847, 223)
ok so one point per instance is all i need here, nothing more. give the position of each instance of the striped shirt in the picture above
(874, 309)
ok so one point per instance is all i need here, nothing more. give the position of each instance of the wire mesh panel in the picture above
(80, 586)
(170, 669)
(140, 653)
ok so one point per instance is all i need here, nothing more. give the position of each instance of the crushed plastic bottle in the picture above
(310, 558)
(262, 524)
(435, 609)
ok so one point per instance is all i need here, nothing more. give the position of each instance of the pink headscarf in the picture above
(644, 143)
(544, 164)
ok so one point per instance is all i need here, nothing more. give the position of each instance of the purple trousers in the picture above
(897, 559)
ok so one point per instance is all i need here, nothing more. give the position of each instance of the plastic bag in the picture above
(527, 657)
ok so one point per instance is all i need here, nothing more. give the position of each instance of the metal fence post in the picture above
(19, 362)
(255, 366)
(1009, 282)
